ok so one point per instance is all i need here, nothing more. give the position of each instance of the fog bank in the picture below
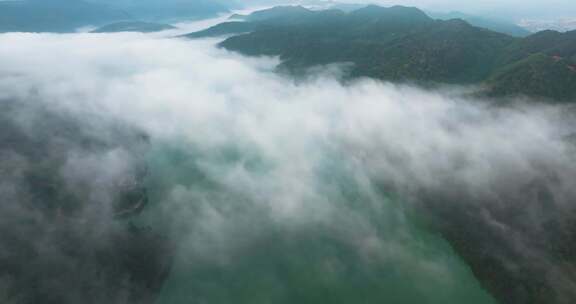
(254, 174)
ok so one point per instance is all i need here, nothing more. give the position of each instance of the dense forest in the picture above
(403, 44)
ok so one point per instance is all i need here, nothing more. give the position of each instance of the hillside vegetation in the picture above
(403, 44)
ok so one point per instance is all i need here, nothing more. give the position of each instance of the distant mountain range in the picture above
(69, 15)
(484, 22)
(54, 15)
(404, 44)
(171, 10)
(133, 26)
(497, 25)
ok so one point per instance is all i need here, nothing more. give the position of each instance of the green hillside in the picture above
(538, 75)
(403, 44)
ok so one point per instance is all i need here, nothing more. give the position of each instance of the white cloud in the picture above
(294, 153)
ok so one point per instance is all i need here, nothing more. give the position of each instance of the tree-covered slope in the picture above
(541, 65)
(447, 52)
(539, 75)
(549, 42)
(398, 43)
(404, 44)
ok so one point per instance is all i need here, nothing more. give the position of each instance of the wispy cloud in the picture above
(239, 154)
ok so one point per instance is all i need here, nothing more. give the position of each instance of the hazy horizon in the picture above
(212, 152)
(513, 9)
(508, 9)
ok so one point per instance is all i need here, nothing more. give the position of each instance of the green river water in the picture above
(349, 243)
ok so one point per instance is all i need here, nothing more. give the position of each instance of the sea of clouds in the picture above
(239, 155)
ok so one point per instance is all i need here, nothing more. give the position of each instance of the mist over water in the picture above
(282, 192)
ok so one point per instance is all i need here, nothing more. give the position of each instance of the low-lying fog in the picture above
(284, 189)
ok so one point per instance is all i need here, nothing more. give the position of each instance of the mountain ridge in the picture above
(403, 44)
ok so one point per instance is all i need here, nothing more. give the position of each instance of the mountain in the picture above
(282, 12)
(551, 43)
(69, 15)
(403, 44)
(54, 15)
(133, 26)
(537, 75)
(446, 52)
(487, 23)
(228, 28)
(417, 47)
(540, 65)
(170, 10)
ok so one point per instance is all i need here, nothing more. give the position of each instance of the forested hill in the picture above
(403, 44)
